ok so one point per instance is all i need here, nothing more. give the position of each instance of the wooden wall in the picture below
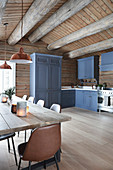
(69, 72)
(22, 79)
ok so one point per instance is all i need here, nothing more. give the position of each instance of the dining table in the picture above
(36, 117)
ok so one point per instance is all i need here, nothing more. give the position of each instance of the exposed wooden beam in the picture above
(70, 8)
(36, 12)
(91, 29)
(2, 8)
(103, 45)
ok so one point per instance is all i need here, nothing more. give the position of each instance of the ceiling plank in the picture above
(2, 8)
(63, 13)
(103, 45)
(38, 9)
(96, 27)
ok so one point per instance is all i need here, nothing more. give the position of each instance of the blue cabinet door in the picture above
(42, 71)
(89, 68)
(90, 100)
(81, 69)
(55, 77)
(79, 98)
(87, 99)
(107, 58)
(41, 90)
(93, 101)
(67, 98)
(86, 68)
(107, 61)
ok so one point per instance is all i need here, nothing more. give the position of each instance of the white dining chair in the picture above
(31, 99)
(56, 107)
(24, 97)
(40, 103)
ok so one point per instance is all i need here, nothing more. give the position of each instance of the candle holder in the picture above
(21, 109)
(14, 108)
(4, 99)
(27, 109)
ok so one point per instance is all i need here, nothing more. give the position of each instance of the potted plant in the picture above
(72, 85)
(9, 92)
(100, 86)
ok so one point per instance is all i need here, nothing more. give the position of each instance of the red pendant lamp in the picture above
(21, 57)
(5, 65)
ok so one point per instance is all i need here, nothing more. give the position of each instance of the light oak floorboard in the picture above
(87, 143)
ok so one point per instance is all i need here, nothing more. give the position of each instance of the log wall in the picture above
(68, 72)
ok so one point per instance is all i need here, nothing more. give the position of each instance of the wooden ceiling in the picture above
(75, 27)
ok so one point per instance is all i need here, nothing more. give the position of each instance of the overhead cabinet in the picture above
(107, 62)
(45, 78)
(88, 68)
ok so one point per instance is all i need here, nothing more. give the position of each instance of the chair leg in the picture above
(44, 164)
(56, 162)
(29, 165)
(14, 151)
(25, 135)
(19, 164)
(8, 145)
(18, 134)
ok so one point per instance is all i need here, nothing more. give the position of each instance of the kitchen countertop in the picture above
(79, 88)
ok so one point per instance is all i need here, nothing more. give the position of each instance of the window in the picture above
(7, 77)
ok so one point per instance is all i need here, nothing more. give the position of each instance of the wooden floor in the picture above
(87, 143)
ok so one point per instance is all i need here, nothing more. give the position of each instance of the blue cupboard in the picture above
(88, 68)
(45, 78)
(107, 62)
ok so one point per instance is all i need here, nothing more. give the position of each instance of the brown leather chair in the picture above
(42, 145)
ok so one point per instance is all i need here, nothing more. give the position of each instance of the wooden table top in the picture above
(37, 117)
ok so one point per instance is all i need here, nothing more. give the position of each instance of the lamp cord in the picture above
(5, 37)
(22, 23)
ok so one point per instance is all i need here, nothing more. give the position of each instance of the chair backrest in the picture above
(43, 143)
(31, 99)
(24, 97)
(40, 103)
(56, 107)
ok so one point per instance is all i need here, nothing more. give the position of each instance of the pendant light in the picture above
(5, 65)
(21, 57)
